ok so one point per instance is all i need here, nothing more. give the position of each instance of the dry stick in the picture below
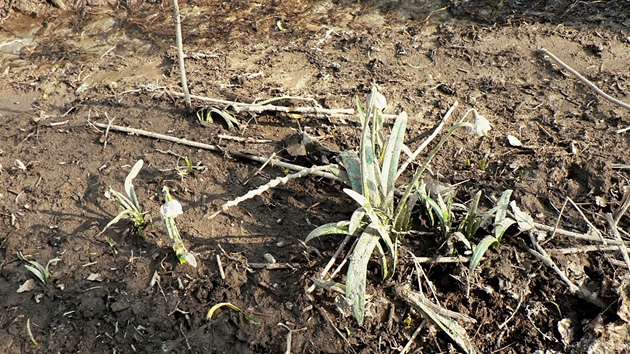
(625, 204)
(220, 265)
(261, 167)
(428, 281)
(583, 249)
(599, 234)
(520, 301)
(345, 259)
(331, 262)
(244, 140)
(215, 148)
(325, 315)
(622, 130)
(180, 53)
(260, 190)
(615, 231)
(589, 84)
(437, 130)
(413, 336)
(443, 259)
(584, 80)
(291, 331)
(257, 108)
(582, 292)
(577, 236)
(620, 166)
(273, 266)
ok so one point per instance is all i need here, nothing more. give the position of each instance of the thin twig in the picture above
(331, 262)
(180, 54)
(109, 124)
(220, 265)
(273, 266)
(261, 167)
(593, 228)
(625, 204)
(291, 331)
(257, 108)
(622, 130)
(443, 259)
(244, 140)
(582, 292)
(584, 80)
(577, 236)
(325, 315)
(215, 148)
(185, 338)
(413, 337)
(583, 249)
(622, 247)
(271, 184)
(507, 320)
(437, 130)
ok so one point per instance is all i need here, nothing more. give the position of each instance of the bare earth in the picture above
(120, 293)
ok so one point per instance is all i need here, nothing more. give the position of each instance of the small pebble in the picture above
(269, 258)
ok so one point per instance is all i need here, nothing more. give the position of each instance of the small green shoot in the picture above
(30, 333)
(169, 211)
(229, 305)
(189, 169)
(500, 225)
(42, 273)
(129, 204)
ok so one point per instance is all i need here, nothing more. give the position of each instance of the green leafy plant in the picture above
(42, 273)
(501, 223)
(131, 209)
(169, 211)
(382, 219)
(460, 222)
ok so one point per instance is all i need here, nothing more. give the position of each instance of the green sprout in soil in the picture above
(131, 209)
(189, 169)
(169, 211)
(383, 218)
(42, 273)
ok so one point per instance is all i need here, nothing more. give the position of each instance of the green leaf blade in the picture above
(357, 272)
(335, 228)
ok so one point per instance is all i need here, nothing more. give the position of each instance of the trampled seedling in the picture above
(381, 220)
(229, 305)
(169, 211)
(204, 116)
(131, 209)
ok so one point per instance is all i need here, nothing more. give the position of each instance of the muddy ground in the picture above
(65, 65)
